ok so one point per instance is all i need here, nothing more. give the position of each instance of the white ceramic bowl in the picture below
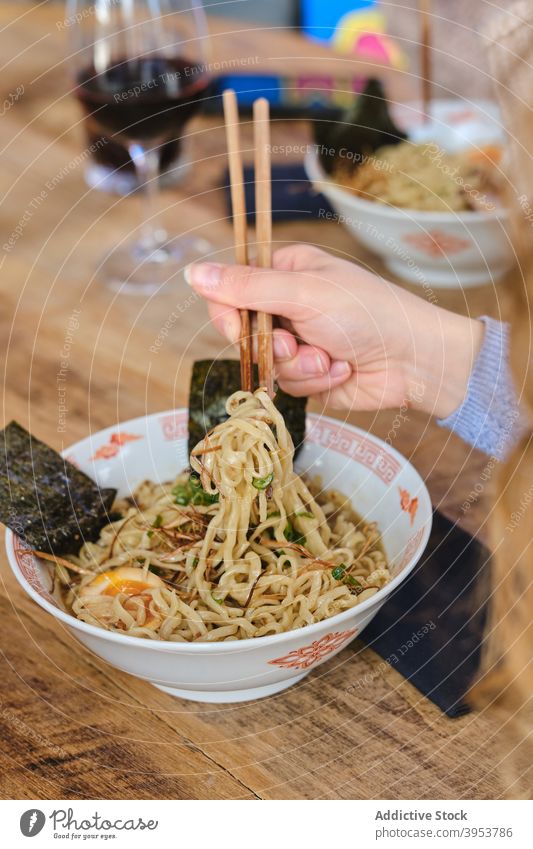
(431, 249)
(382, 486)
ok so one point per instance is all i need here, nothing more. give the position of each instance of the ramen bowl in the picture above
(430, 249)
(382, 486)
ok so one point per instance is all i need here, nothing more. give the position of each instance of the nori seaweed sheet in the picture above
(48, 502)
(212, 381)
(362, 129)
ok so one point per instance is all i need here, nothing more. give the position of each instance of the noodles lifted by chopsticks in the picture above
(240, 548)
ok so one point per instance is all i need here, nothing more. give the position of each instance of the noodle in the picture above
(241, 548)
(424, 177)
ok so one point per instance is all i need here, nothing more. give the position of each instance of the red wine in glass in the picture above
(140, 74)
(150, 98)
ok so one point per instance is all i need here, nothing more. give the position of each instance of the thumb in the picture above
(246, 287)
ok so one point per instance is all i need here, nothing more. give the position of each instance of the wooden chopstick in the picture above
(263, 217)
(238, 206)
(424, 9)
(263, 229)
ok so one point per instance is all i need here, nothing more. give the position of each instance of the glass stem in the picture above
(146, 164)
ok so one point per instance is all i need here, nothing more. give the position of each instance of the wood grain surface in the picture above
(71, 726)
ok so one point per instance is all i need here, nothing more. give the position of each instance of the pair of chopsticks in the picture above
(263, 227)
(424, 8)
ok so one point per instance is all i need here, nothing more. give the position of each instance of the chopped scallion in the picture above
(292, 535)
(263, 483)
(192, 493)
(352, 582)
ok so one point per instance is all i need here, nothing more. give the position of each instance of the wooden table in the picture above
(73, 727)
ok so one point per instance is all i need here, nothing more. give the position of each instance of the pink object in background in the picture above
(362, 34)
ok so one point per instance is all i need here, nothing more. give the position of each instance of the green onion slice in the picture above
(263, 483)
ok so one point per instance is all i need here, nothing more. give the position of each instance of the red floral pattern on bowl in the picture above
(355, 446)
(29, 567)
(174, 426)
(113, 446)
(409, 505)
(437, 243)
(309, 655)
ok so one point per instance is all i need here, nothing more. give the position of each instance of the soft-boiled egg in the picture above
(124, 579)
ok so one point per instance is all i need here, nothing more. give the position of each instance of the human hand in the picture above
(349, 337)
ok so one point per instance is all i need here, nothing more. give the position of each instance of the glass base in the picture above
(135, 268)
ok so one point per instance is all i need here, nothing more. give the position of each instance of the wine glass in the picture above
(140, 69)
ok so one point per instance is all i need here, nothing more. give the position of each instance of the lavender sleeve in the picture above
(489, 417)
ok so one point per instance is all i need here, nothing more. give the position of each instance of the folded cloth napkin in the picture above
(431, 627)
(293, 196)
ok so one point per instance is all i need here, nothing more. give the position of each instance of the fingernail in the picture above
(313, 363)
(203, 274)
(281, 348)
(340, 368)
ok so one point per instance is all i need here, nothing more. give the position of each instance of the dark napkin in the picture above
(431, 627)
(293, 196)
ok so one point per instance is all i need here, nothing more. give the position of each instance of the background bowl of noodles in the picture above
(381, 485)
(410, 210)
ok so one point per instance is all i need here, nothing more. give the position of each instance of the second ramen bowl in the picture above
(430, 249)
(382, 486)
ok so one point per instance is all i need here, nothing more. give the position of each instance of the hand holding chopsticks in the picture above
(263, 216)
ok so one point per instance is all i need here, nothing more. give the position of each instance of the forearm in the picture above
(444, 349)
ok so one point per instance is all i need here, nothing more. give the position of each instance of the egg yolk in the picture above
(125, 579)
